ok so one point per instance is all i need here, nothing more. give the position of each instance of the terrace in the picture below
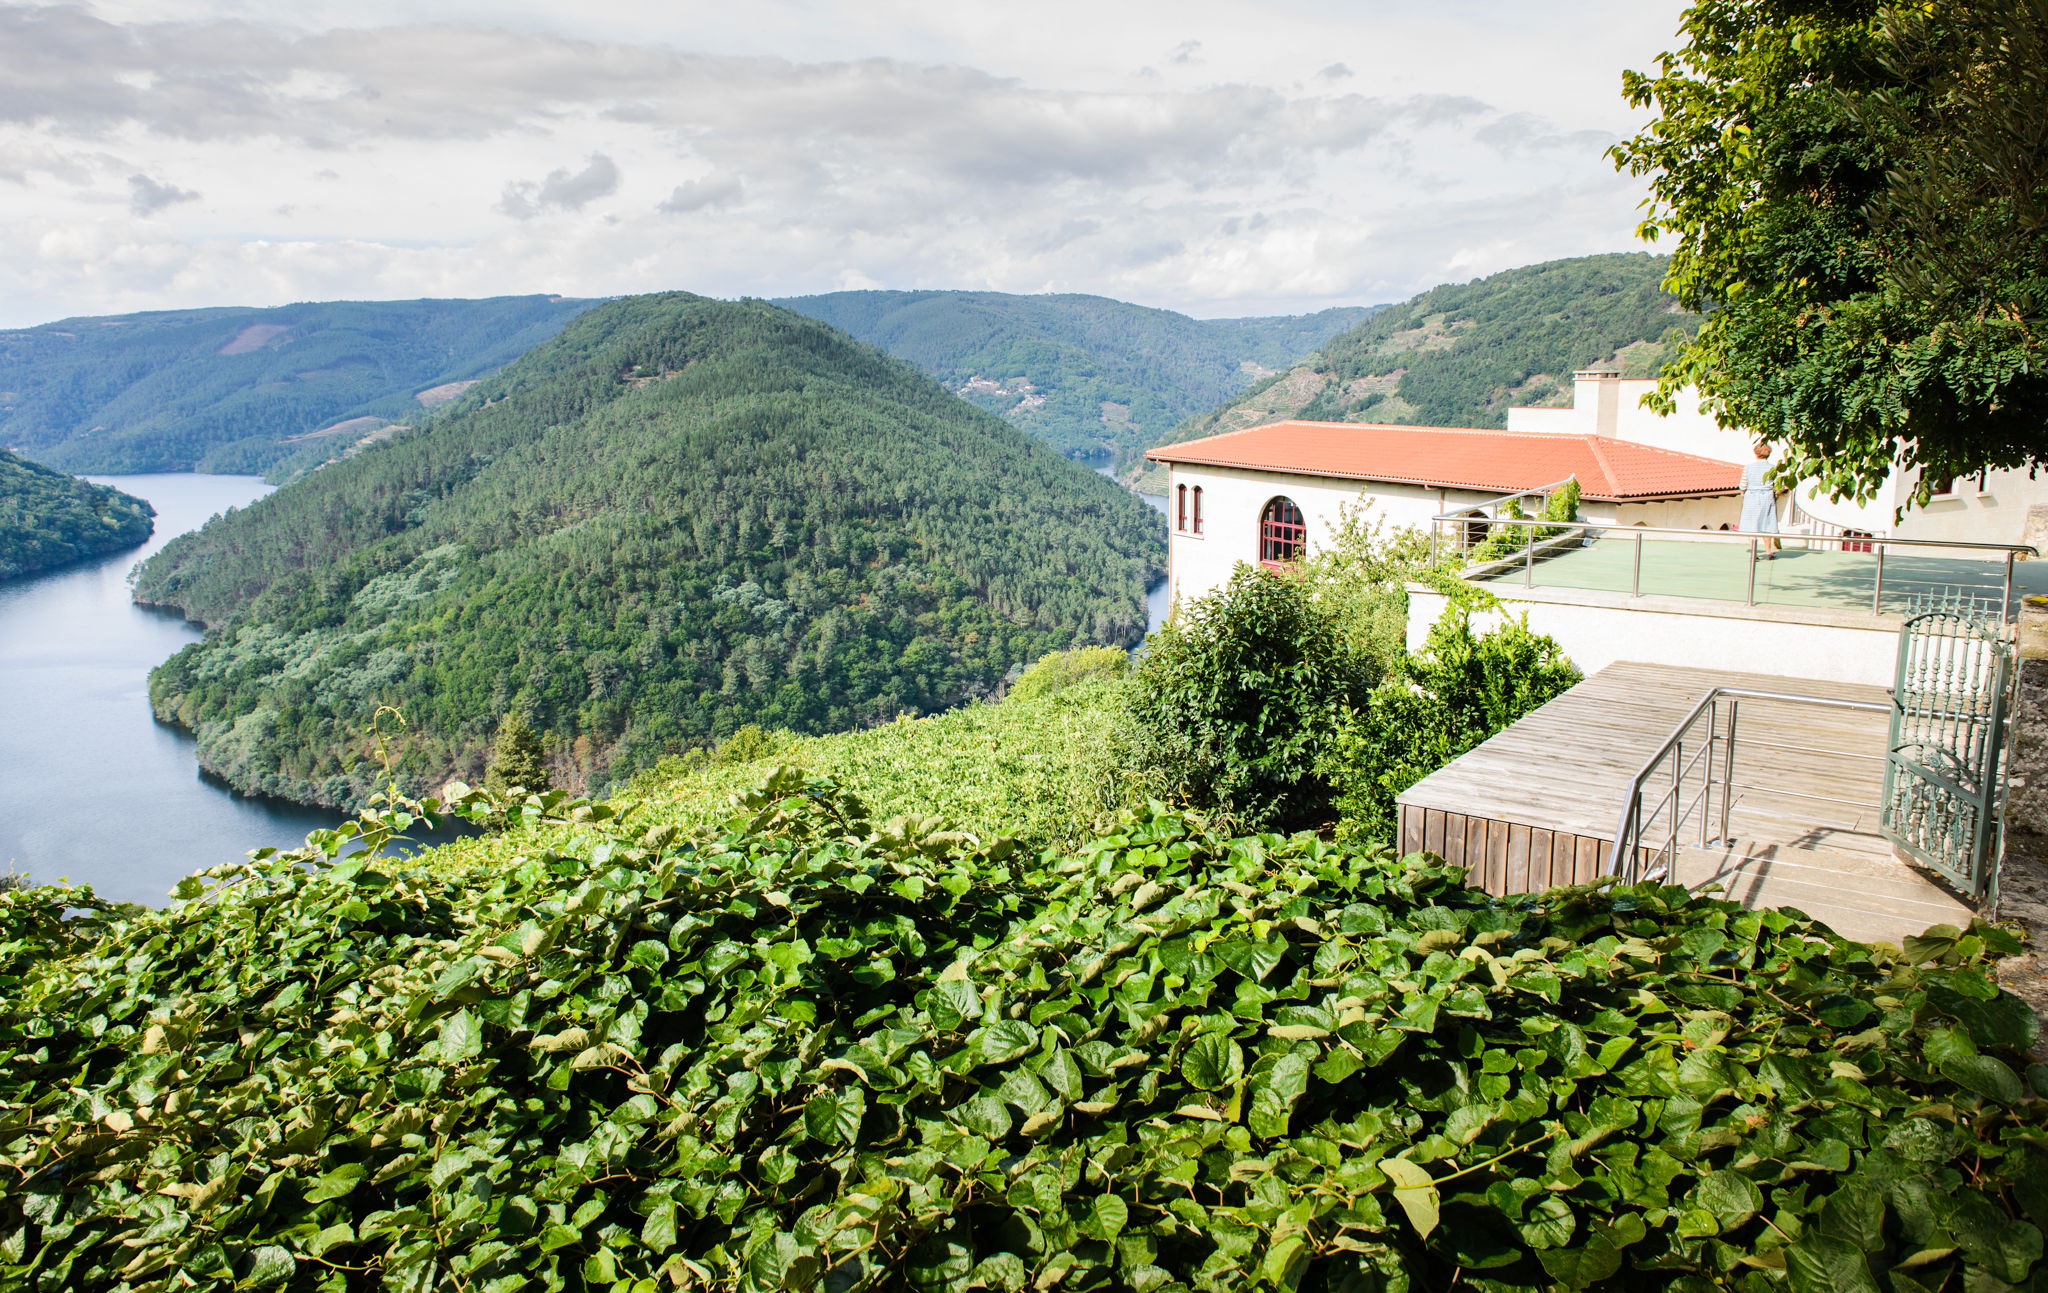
(1872, 576)
(1827, 606)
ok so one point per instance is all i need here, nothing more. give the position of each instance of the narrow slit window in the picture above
(1180, 515)
(1283, 534)
(1198, 509)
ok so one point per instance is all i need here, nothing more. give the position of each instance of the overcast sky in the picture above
(1249, 157)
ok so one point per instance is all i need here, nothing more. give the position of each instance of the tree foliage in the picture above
(1860, 190)
(228, 389)
(1447, 698)
(822, 1051)
(48, 518)
(518, 759)
(1237, 693)
(1463, 353)
(679, 517)
(1088, 375)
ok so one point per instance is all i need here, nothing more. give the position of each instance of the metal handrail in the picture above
(2017, 549)
(1628, 832)
(1876, 546)
(1541, 491)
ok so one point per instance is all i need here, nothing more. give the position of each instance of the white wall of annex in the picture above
(1594, 637)
(1233, 499)
(1613, 406)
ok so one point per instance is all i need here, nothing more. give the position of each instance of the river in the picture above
(91, 787)
(94, 789)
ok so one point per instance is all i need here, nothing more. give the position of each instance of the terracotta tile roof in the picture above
(1609, 470)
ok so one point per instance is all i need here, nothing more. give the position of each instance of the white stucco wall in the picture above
(1233, 499)
(1760, 640)
(1613, 406)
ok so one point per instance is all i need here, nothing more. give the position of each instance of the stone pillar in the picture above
(2026, 800)
(2023, 869)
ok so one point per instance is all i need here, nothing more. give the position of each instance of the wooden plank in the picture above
(1454, 838)
(1411, 829)
(1518, 858)
(1433, 831)
(1539, 859)
(1592, 859)
(1563, 860)
(1496, 856)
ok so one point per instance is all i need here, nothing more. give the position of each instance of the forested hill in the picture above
(243, 389)
(678, 517)
(1463, 353)
(1086, 374)
(48, 518)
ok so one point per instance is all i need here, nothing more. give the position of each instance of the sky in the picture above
(1219, 158)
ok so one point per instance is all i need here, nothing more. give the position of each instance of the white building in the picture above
(1990, 508)
(1269, 494)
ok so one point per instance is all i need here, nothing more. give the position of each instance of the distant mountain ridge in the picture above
(1463, 353)
(677, 517)
(243, 389)
(49, 519)
(1089, 375)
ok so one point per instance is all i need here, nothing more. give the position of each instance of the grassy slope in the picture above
(1042, 770)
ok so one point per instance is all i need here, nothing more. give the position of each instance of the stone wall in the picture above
(2023, 868)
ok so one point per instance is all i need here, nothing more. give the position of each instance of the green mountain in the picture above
(678, 517)
(1463, 353)
(48, 518)
(244, 389)
(1088, 375)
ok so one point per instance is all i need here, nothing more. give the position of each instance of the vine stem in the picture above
(1508, 1152)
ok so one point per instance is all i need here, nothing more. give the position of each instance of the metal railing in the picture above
(1674, 788)
(1585, 531)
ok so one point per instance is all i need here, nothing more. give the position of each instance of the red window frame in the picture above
(1198, 509)
(1283, 534)
(1180, 519)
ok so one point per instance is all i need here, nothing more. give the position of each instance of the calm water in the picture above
(1155, 596)
(91, 787)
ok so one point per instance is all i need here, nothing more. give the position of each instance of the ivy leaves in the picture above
(818, 1050)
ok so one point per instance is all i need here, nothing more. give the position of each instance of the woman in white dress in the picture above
(1759, 500)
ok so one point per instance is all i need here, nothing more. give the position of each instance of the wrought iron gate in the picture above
(1941, 773)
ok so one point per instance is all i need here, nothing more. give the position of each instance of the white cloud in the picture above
(562, 190)
(811, 144)
(146, 196)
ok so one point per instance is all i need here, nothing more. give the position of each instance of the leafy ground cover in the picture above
(825, 1051)
(1040, 769)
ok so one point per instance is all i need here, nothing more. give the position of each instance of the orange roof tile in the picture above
(1609, 470)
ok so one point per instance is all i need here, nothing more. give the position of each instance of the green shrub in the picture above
(827, 1052)
(1236, 695)
(1056, 671)
(1460, 689)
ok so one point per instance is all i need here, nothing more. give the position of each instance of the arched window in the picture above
(1198, 509)
(1473, 532)
(1283, 535)
(1180, 515)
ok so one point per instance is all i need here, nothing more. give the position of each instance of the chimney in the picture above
(1598, 391)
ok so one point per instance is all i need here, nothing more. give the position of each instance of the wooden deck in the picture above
(1538, 804)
